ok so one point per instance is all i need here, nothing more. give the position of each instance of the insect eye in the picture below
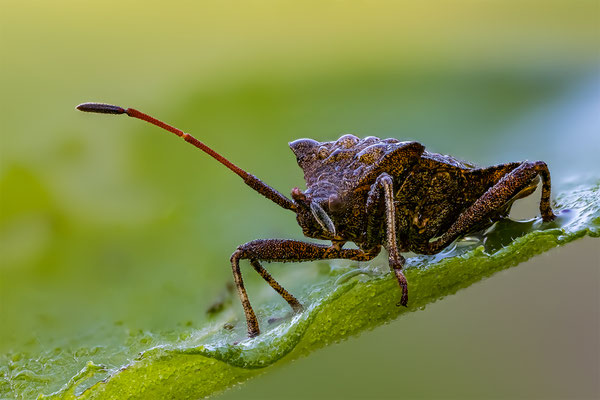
(298, 196)
(334, 203)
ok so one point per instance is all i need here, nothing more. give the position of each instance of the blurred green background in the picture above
(111, 229)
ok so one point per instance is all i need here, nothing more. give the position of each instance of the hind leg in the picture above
(494, 200)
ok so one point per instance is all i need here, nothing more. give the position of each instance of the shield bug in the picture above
(376, 193)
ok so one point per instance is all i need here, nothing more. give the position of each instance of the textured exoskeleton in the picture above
(374, 192)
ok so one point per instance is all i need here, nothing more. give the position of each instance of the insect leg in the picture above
(384, 185)
(249, 179)
(494, 199)
(283, 251)
(292, 301)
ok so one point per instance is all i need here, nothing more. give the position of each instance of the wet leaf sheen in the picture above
(347, 302)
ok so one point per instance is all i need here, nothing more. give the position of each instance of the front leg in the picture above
(283, 251)
(383, 186)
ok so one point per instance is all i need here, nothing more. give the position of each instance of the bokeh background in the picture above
(111, 229)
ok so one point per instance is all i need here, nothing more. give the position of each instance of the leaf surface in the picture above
(347, 302)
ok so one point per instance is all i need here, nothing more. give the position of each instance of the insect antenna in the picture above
(249, 179)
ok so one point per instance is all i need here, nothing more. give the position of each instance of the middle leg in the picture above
(384, 186)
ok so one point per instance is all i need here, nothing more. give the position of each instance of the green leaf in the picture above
(347, 302)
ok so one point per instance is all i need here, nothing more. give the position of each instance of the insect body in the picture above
(376, 193)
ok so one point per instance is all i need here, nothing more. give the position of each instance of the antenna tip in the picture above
(101, 108)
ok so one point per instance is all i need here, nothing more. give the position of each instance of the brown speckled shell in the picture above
(339, 166)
